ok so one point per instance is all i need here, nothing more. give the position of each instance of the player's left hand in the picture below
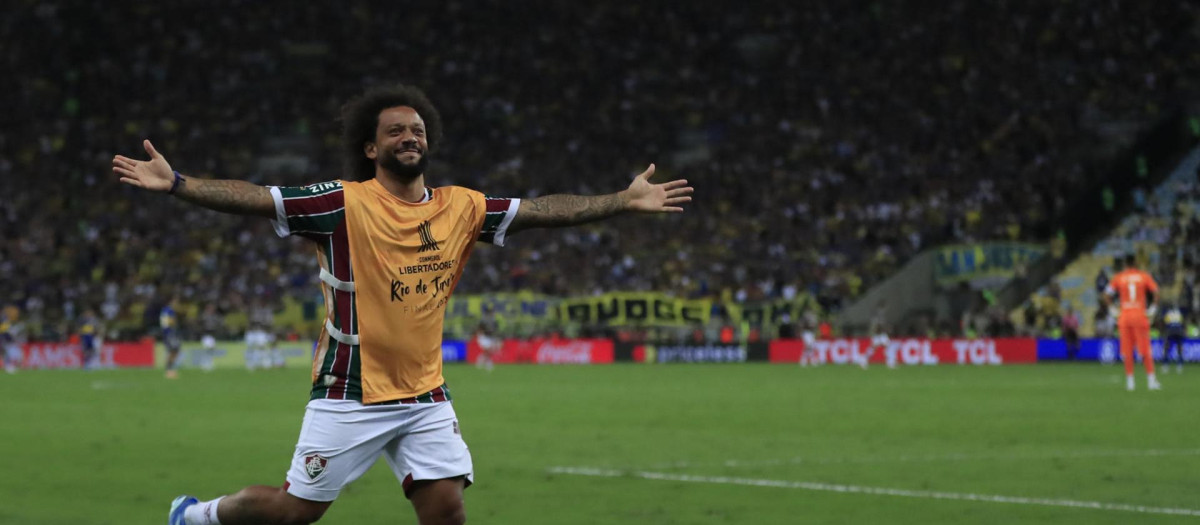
(656, 198)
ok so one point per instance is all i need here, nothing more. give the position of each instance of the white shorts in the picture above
(209, 342)
(880, 340)
(341, 439)
(258, 338)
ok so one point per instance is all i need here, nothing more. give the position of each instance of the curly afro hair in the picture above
(360, 119)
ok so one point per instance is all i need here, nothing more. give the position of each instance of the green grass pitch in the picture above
(704, 444)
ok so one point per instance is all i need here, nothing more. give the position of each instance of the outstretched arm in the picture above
(229, 196)
(568, 210)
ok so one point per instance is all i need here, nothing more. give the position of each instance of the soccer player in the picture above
(879, 341)
(808, 354)
(210, 325)
(1173, 322)
(391, 250)
(11, 333)
(89, 339)
(489, 346)
(168, 324)
(274, 352)
(258, 336)
(1135, 292)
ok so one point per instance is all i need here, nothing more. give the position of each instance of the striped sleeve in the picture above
(500, 213)
(313, 211)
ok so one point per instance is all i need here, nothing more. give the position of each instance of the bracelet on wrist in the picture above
(175, 184)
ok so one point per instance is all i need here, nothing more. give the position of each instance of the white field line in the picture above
(878, 491)
(113, 385)
(934, 458)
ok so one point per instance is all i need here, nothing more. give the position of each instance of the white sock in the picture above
(203, 513)
(1151, 378)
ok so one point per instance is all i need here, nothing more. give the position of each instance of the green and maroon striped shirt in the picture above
(317, 213)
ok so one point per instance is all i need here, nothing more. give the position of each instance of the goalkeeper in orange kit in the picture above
(1136, 295)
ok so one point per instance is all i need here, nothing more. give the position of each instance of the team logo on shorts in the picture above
(314, 465)
(456, 430)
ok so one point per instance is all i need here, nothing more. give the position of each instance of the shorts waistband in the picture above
(437, 395)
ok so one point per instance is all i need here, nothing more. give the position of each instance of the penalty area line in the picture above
(878, 491)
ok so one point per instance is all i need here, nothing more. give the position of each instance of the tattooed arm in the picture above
(550, 211)
(229, 196)
(568, 210)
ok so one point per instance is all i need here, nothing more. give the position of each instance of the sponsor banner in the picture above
(1109, 350)
(232, 354)
(911, 351)
(40, 355)
(969, 262)
(548, 351)
(716, 353)
(454, 351)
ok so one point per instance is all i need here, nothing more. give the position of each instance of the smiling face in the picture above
(400, 146)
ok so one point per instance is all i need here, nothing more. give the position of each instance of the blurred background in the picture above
(967, 170)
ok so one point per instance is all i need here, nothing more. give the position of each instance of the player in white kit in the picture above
(879, 340)
(258, 336)
(210, 322)
(808, 355)
(489, 346)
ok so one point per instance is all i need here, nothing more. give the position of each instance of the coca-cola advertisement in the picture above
(905, 351)
(546, 351)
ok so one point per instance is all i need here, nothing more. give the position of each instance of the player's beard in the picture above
(402, 170)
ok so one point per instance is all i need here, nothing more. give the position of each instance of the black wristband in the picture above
(175, 185)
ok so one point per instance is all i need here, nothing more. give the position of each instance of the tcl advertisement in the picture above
(546, 351)
(70, 355)
(907, 351)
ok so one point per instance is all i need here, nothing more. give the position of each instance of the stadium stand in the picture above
(826, 152)
(1162, 232)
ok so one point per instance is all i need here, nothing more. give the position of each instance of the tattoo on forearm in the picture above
(229, 196)
(566, 210)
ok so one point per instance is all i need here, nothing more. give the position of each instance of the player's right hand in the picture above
(154, 174)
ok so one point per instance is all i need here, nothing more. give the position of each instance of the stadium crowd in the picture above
(829, 142)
